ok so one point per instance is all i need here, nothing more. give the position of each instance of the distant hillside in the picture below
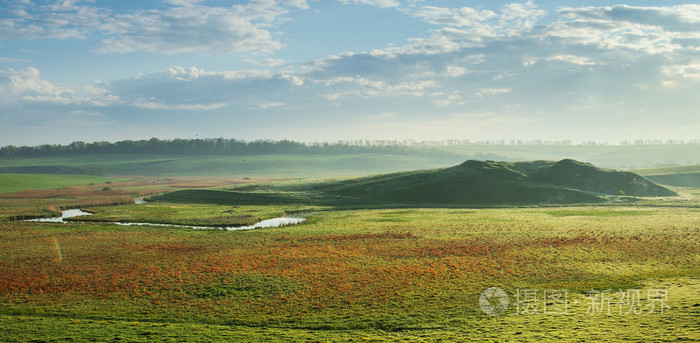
(685, 176)
(678, 180)
(668, 170)
(472, 183)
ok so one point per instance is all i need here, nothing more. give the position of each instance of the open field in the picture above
(382, 274)
(676, 324)
(409, 274)
(11, 183)
(24, 200)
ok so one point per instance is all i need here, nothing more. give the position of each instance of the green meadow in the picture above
(11, 183)
(409, 274)
(622, 269)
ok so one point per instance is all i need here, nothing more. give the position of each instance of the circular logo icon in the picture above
(493, 301)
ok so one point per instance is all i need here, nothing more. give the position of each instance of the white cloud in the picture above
(27, 85)
(580, 60)
(358, 87)
(690, 71)
(441, 99)
(239, 29)
(480, 25)
(13, 60)
(300, 4)
(183, 2)
(267, 62)
(62, 20)
(491, 91)
(193, 88)
(668, 83)
(682, 18)
(151, 105)
(184, 26)
(518, 17)
(654, 30)
(465, 16)
(456, 71)
(378, 3)
(270, 104)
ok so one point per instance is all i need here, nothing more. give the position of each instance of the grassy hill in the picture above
(472, 183)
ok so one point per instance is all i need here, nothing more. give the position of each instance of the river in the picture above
(274, 222)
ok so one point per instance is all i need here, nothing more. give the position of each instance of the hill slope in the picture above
(472, 183)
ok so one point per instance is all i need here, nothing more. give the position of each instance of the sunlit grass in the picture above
(389, 274)
(10, 183)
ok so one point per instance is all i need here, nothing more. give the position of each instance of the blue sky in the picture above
(348, 69)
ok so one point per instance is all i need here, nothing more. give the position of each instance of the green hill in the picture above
(472, 183)
(589, 178)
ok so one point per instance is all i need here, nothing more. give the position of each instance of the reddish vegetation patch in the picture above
(352, 237)
(264, 276)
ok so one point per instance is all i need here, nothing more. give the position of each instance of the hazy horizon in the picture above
(323, 71)
(405, 142)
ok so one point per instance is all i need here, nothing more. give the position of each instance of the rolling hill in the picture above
(472, 183)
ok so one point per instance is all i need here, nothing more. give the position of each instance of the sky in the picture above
(328, 70)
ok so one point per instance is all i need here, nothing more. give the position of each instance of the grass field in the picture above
(11, 183)
(368, 274)
(408, 274)
(36, 195)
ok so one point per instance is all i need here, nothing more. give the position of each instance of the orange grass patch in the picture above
(248, 277)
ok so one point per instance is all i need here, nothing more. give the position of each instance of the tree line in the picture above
(257, 147)
(195, 146)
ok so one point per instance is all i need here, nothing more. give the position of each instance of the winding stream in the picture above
(64, 214)
(274, 222)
